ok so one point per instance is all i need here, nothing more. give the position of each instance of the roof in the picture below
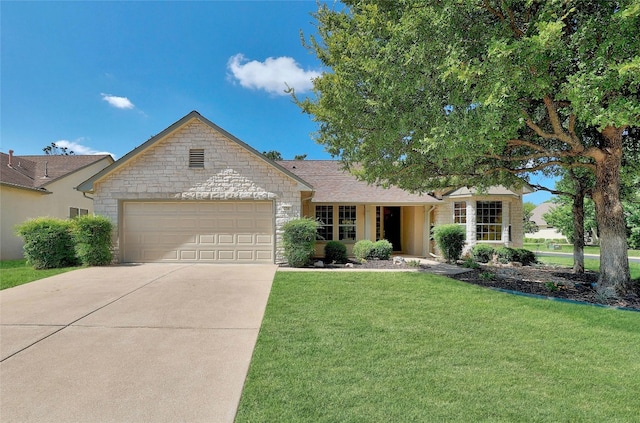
(36, 172)
(332, 184)
(538, 212)
(87, 186)
(494, 190)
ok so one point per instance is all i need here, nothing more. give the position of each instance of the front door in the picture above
(392, 229)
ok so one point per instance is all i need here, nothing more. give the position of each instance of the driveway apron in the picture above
(138, 343)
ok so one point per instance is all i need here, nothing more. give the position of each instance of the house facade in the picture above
(33, 186)
(196, 193)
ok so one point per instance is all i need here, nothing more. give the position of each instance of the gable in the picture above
(169, 151)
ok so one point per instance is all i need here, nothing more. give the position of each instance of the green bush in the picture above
(525, 257)
(92, 236)
(534, 240)
(450, 240)
(506, 254)
(335, 251)
(299, 240)
(482, 253)
(362, 249)
(48, 242)
(382, 250)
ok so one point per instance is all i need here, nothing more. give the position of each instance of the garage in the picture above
(198, 231)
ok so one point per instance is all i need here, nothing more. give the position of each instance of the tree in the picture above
(299, 157)
(432, 94)
(529, 225)
(273, 155)
(55, 150)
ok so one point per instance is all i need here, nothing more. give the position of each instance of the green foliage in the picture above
(450, 240)
(469, 263)
(529, 226)
(525, 257)
(299, 241)
(48, 242)
(273, 155)
(335, 251)
(482, 253)
(382, 250)
(506, 254)
(362, 249)
(487, 276)
(632, 219)
(561, 217)
(92, 236)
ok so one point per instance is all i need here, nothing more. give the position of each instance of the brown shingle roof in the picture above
(334, 185)
(35, 172)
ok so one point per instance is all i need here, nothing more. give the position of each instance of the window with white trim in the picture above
(489, 221)
(75, 212)
(347, 223)
(196, 158)
(460, 212)
(324, 215)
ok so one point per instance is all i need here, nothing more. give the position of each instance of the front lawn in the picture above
(17, 272)
(378, 347)
(589, 264)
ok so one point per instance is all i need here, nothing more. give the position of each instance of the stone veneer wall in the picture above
(230, 173)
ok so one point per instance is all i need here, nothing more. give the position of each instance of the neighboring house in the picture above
(545, 231)
(194, 192)
(33, 186)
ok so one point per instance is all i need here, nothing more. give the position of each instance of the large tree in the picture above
(431, 94)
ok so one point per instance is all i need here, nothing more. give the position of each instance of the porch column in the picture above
(471, 225)
(506, 221)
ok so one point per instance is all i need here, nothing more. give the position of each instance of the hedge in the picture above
(48, 242)
(450, 240)
(299, 240)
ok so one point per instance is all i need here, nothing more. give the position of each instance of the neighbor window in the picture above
(324, 215)
(347, 223)
(489, 221)
(196, 158)
(75, 212)
(460, 212)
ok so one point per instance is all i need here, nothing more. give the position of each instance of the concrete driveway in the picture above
(139, 343)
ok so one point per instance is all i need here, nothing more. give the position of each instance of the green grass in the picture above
(589, 264)
(17, 272)
(568, 248)
(414, 347)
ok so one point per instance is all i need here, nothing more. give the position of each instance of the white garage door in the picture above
(202, 231)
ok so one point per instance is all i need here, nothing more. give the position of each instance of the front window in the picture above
(75, 212)
(324, 215)
(347, 223)
(489, 221)
(460, 212)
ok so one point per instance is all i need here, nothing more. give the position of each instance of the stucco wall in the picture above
(19, 205)
(230, 173)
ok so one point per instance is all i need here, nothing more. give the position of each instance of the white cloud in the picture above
(78, 148)
(117, 102)
(273, 75)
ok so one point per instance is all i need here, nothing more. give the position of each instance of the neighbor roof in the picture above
(538, 212)
(36, 172)
(334, 185)
(494, 190)
(87, 185)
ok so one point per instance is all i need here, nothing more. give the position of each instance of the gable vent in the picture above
(196, 158)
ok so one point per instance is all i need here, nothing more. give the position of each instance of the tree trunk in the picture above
(614, 277)
(578, 230)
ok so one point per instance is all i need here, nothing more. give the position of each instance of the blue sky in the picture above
(106, 76)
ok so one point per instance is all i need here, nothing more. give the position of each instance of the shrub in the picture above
(525, 257)
(382, 250)
(470, 264)
(482, 253)
(299, 240)
(92, 236)
(335, 251)
(362, 249)
(450, 240)
(48, 242)
(506, 254)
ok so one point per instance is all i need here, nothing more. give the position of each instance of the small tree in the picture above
(450, 240)
(299, 240)
(48, 242)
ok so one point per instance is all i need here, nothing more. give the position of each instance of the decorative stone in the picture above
(318, 263)
(398, 260)
(348, 265)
